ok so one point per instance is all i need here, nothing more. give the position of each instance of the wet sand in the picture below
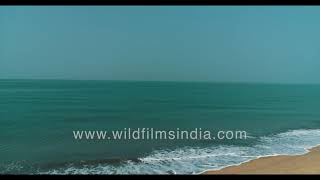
(308, 163)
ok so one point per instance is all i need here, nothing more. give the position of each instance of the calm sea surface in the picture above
(37, 118)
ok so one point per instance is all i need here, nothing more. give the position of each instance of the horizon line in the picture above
(178, 81)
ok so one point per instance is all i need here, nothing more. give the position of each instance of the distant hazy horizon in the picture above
(173, 81)
(197, 44)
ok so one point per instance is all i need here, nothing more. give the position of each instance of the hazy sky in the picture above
(250, 44)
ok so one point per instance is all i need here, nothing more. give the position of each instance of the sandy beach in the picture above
(308, 163)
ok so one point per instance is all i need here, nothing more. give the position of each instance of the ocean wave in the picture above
(193, 160)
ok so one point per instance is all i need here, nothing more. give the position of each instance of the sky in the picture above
(214, 43)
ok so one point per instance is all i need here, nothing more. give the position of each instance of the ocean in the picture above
(37, 118)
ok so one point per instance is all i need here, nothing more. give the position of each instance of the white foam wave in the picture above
(190, 160)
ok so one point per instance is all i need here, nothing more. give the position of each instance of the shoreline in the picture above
(307, 163)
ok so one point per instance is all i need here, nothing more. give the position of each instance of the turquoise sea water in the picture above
(37, 118)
